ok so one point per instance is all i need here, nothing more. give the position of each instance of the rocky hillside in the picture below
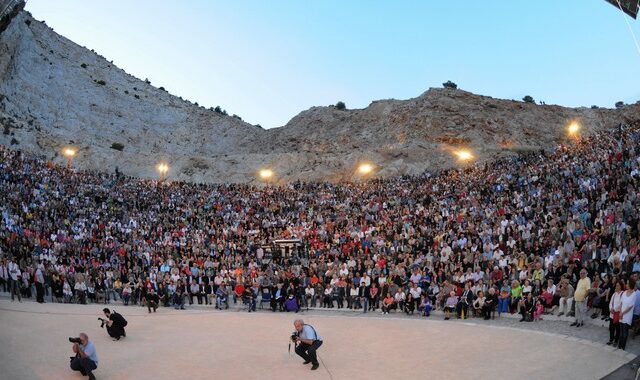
(54, 93)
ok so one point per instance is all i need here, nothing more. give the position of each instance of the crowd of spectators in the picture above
(539, 232)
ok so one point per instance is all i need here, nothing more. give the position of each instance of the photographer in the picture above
(86, 359)
(115, 324)
(307, 342)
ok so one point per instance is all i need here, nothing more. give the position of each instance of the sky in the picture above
(267, 61)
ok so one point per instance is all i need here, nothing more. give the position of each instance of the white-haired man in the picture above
(86, 359)
(308, 341)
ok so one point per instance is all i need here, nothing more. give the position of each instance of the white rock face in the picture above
(54, 93)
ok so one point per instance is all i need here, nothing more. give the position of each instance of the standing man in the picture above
(580, 298)
(626, 312)
(14, 278)
(39, 280)
(86, 359)
(4, 276)
(307, 342)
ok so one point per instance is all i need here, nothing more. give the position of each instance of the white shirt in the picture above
(415, 292)
(14, 271)
(615, 304)
(628, 302)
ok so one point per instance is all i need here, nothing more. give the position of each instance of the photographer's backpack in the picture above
(123, 321)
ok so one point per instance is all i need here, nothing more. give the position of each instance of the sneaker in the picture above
(560, 314)
(307, 362)
(315, 366)
(574, 324)
(609, 343)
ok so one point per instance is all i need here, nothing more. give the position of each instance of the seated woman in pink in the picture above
(539, 309)
(450, 305)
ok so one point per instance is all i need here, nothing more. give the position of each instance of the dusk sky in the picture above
(266, 61)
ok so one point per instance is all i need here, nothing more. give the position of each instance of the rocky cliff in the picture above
(54, 93)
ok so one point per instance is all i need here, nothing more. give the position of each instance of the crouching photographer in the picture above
(115, 324)
(85, 359)
(307, 342)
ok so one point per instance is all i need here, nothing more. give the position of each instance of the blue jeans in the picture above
(365, 303)
(503, 305)
(84, 365)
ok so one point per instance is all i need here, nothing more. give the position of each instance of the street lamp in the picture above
(365, 169)
(463, 155)
(162, 170)
(69, 153)
(265, 174)
(573, 130)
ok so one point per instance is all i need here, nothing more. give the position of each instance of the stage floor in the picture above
(197, 344)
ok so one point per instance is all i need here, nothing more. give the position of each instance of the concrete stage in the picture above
(197, 344)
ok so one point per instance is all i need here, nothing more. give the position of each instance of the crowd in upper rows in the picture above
(553, 230)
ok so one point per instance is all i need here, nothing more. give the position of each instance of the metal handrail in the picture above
(12, 4)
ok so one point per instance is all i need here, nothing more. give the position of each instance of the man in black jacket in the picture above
(363, 293)
(490, 303)
(527, 307)
(152, 300)
(278, 295)
(115, 324)
(465, 300)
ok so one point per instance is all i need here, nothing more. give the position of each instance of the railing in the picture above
(9, 7)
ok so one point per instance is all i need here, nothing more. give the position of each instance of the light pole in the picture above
(463, 155)
(162, 170)
(265, 174)
(69, 153)
(573, 130)
(365, 169)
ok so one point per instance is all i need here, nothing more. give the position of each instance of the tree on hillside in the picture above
(341, 106)
(450, 84)
(619, 104)
(528, 99)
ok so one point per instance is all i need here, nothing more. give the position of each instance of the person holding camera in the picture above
(115, 324)
(307, 343)
(86, 358)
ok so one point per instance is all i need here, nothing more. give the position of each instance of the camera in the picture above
(103, 322)
(75, 340)
(294, 335)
